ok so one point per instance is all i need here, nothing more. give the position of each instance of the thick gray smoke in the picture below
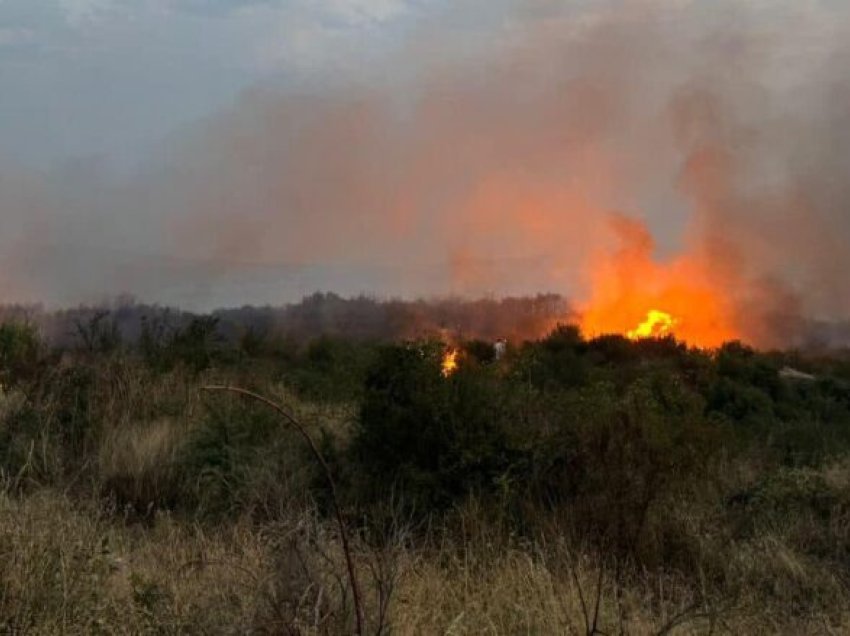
(485, 160)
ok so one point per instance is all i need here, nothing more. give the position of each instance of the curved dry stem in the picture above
(349, 561)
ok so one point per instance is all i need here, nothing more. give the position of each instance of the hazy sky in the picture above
(110, 78)
(211, 152)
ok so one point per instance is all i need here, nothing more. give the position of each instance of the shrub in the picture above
(198, 344)
(616, 458)
(20, 349)
(98, 334)
(154, 337)
(557, 361)
(242, 458)
(434, 438)
(330, 369)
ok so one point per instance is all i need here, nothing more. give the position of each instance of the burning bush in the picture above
(433, 437)
(608, 453)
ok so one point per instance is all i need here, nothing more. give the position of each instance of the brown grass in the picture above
(69, 564)
(65, 569)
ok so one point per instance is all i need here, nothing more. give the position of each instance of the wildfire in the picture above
(626, 281)
(449, 364)
(657, 325)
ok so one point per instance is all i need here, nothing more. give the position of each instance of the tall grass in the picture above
(131, 503)
(67, 569)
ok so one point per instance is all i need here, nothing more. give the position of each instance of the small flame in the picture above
(657, 325)
(449, 364)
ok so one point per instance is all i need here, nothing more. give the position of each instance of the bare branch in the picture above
(349, 561)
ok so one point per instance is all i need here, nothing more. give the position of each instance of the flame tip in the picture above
(657, 324)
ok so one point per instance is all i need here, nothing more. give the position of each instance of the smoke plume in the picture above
(688, 153)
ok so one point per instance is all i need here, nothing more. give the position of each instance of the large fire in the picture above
(634, 295)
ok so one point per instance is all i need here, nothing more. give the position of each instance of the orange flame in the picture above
(449, 364)
(626, 286)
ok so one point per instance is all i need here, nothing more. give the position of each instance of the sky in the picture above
(91, 91)
(206, 153)
(108, 79)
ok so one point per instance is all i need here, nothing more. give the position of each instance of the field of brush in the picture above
(572, 486)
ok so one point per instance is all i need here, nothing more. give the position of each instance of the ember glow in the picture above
(449, 364)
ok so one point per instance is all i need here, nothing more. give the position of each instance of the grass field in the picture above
(574, 486)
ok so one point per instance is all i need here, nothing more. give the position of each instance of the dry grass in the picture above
(138, 464)
(69, 570)
(64, 570)
(69, 564)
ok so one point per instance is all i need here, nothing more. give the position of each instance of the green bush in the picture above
(330, 369)
(20, 350)
(431, 438)
(615, 458)
(607, 454)
(199, 344)
(99, 333)
(558, 361)
(242, 458)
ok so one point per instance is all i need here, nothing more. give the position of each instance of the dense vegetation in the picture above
(571, 486)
